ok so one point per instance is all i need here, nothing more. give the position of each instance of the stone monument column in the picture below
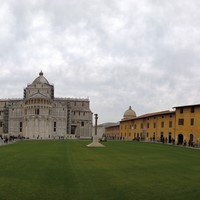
(96, 118)
(95, 142)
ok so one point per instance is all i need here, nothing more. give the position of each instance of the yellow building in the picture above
(181, 126)
(187, 128)
(126, 125)
(126, 129)
(112, 132)
(156, 126)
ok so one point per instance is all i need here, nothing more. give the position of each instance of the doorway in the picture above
(191, 140)
(169, 137)
(191, 137)
(180, 139)
(73, 129)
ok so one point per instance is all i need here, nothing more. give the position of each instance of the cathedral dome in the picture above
(40, 79)
(129, 113)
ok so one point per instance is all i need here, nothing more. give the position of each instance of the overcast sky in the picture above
(143, 53)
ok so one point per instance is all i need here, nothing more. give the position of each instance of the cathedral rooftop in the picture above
(40, 79)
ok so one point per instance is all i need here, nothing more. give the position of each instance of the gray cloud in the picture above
(118, 53)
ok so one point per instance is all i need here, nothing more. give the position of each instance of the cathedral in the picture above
(40, 115)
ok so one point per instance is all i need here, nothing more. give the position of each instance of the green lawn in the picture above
(122, 170)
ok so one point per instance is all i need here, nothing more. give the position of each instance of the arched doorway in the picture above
(191, 143)
(191, 137)
(180, 139)
(170, 137)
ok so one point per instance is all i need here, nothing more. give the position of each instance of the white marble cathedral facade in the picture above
(40, 115)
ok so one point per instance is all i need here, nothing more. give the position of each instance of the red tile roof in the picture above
(166, 112)
(186, 106)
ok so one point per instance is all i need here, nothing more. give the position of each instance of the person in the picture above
(6, 140)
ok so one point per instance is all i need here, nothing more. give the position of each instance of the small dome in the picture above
(40, 79)
(129, 113)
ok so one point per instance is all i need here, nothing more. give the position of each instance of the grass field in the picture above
(57, 170)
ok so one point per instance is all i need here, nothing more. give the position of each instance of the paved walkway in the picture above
(171, 144)
(3, 143)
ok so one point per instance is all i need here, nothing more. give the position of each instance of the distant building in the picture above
(187, 124)
(112, 132)
(40, 115)
(151, 126)
(129, 114)
(101, 129)
(180, 126)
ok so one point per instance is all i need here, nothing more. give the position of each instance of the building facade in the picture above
(187, 124)
(40, 115)
(179, 126)
(112, 132)
(101, 129)
(158, 126)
